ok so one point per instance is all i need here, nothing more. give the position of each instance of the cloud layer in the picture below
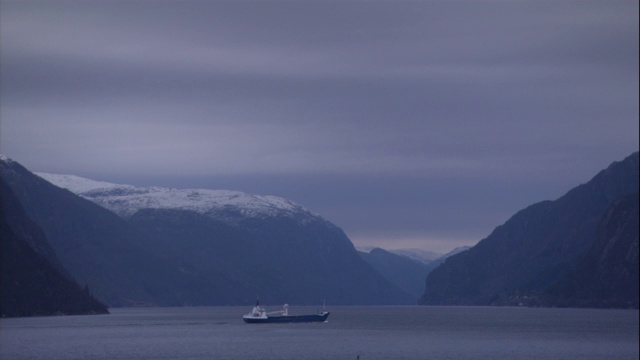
(362, 105)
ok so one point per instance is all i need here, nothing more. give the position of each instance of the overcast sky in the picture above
(408, 124)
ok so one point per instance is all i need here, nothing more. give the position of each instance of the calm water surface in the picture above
(368, 332)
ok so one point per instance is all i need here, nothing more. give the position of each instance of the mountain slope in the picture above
(408, 274)
(279, 259)
(608, 275)
(406, 268)
(534, 249)
(31, 284)
(96, 246)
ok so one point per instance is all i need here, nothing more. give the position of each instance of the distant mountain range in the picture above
(67, 241)
(420, 255)
(406, 268)
(167, 247)
(579, 250)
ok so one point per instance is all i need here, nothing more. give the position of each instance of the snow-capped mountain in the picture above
(169, 247)
(227, 205)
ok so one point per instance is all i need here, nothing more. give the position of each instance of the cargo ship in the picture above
(260, 315)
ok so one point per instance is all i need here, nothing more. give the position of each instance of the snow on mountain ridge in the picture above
(126, 200)
(78, 185)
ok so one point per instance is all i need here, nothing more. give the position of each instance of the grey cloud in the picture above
(371, 96)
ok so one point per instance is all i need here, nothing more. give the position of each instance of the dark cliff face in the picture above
(608, 275)
(33, 282)
(534, 249)
(278, 259)
(406, 273)
(176, 257)
(96, 246)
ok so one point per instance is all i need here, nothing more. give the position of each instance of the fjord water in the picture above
(351, 332)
